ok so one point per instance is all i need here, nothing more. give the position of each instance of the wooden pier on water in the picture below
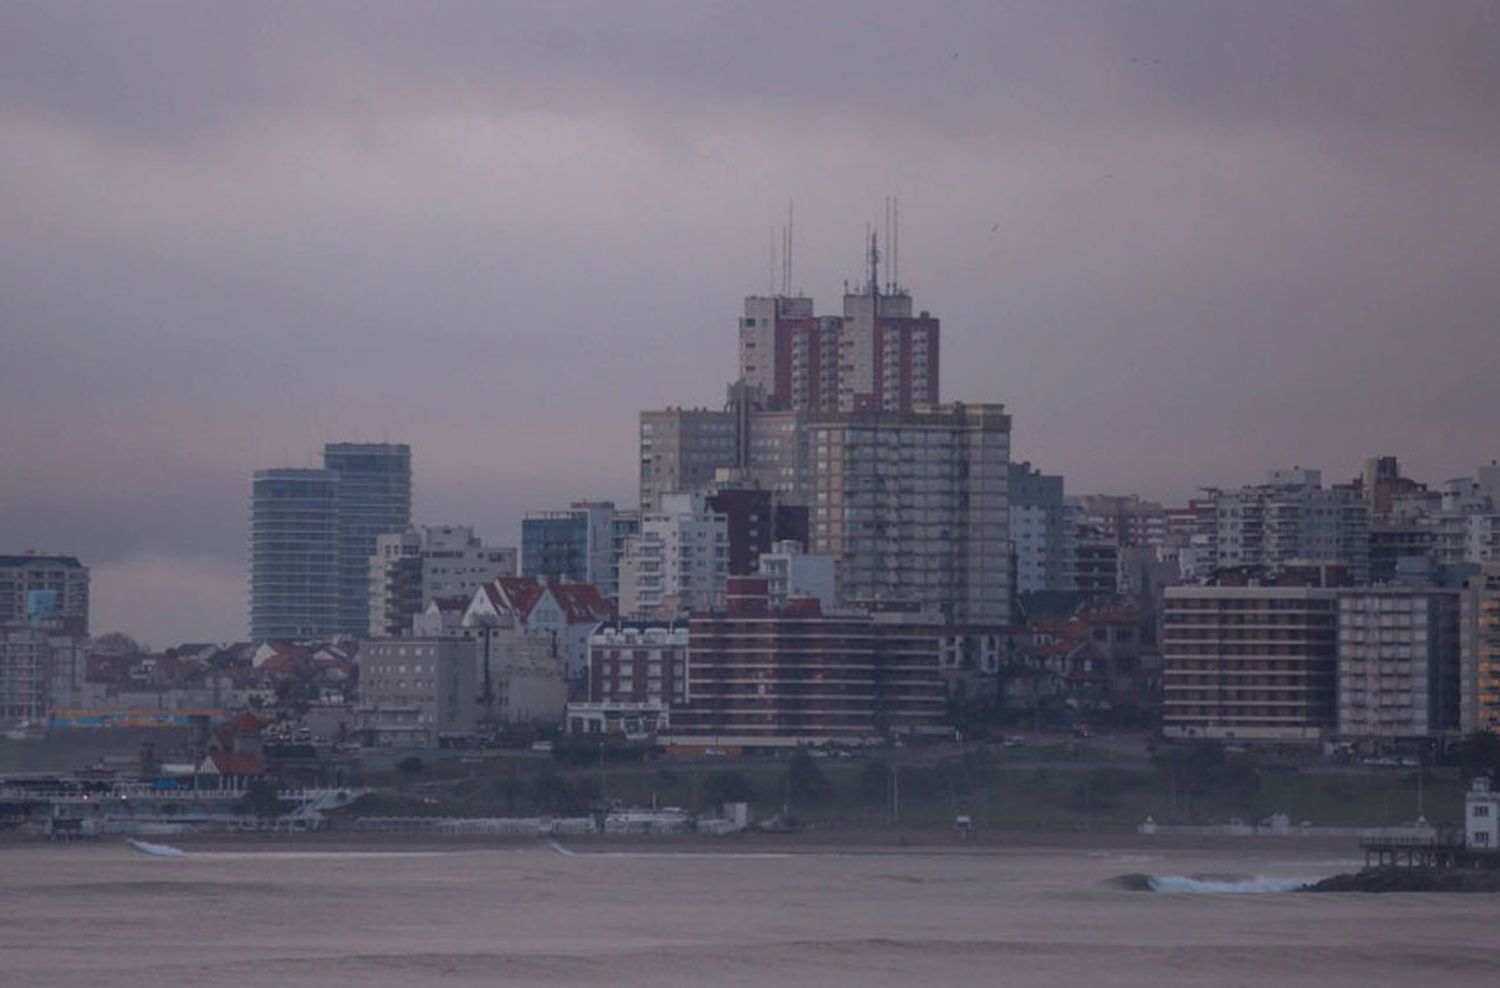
(1442, 851)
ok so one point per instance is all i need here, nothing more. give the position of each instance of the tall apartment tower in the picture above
(1040, 530)
(312, 533)
(374, 499)
(680, 449)
(1479, 687)
(876, 356)
(915, 507)
(294, 554)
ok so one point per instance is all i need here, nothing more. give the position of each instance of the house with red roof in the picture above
(230, 770)
(533, 607)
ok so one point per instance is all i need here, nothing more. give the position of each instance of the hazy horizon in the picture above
(1183, 243)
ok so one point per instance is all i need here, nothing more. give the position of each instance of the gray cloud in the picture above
(1182, 241)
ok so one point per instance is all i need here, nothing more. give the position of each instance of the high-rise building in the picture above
(1289, 518)
(1398, 663)
(294, 554)
(1479, 687)
(412, 568)
(680, 448)
(374, 498)
(876, 356)
(680, 561)
(34, 586)
(1249, 663)
(1039, 529)
(914, 507)
(312, 533)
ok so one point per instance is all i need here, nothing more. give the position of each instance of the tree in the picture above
(261, 800)
(729, 786)
(874, 780)
(1479, 754)
(804, 778)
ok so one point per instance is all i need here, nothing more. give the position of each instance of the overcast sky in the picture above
(1183, 242)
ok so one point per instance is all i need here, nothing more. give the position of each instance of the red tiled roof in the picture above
(582, 602)
(235, 763)
(520, 593)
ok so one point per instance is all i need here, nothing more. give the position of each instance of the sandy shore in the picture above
(846, 841)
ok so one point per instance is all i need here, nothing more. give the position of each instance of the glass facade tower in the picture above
(312, 533)
(374, 498)
(293, 554)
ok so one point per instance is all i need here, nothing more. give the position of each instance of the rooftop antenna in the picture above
(771, 268)
(895, 244)
(874, 263)
(786, 258)
(888, 232)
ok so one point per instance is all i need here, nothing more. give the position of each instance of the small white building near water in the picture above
(1482, 817)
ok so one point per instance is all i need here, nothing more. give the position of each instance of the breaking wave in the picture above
(1210, 884)
(1226, 886)
(159, 850)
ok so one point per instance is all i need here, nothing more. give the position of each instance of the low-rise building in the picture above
(413, 691)
(637, 675)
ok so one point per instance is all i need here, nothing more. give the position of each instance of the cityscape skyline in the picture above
(205, 280)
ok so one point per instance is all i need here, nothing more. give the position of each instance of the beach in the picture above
(1030, 911)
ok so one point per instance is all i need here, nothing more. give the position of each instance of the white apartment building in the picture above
(680, 560)
(914, 507)
(1398, 663)
(791, 572)
(424, 563)
(1292, 517)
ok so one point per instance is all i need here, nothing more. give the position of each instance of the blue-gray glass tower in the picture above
(293, 554)
(374, 498)
(555, 544)
(312, 534)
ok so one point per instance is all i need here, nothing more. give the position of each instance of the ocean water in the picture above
(532, 915)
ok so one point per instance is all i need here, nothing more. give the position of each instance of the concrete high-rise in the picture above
(1250, 663)
(374, 499)
(914, 506)
(876, 356)
(681, 448)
